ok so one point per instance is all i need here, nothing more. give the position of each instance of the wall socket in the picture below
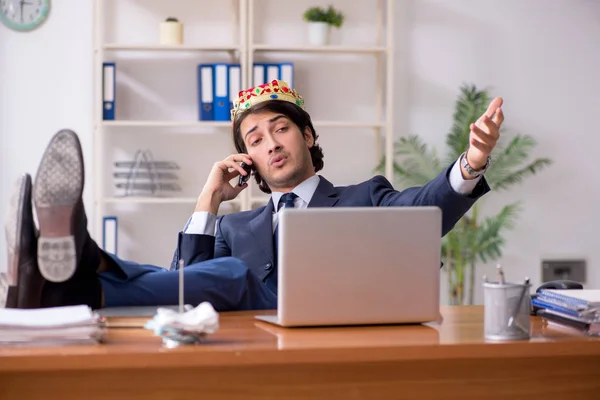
(573, 270)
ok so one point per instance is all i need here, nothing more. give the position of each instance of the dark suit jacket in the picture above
(248, 235)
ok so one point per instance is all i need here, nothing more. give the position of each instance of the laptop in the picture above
(358, 266)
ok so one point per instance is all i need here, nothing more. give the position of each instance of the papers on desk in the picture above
(50, 326)
(575, 308)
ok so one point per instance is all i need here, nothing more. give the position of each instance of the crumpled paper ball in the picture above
(188, 327)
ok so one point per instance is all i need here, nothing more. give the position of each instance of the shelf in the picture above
(347, 124)
(159, 47)
(246, 49)
(150, 200)
(158, 200)
(167, 124)
(320, 49)
(227, 124)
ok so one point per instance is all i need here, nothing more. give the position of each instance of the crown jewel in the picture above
(274, 90)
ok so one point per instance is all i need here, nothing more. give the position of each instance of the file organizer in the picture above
(286, 73)
(221, 94)
(146, 177)
(266, 72)
(205, 92)
(271, 72)
(258, 74)
(109, 235)
(234, 83)
(108, 90)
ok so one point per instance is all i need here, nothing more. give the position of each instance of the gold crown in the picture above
(275, 90)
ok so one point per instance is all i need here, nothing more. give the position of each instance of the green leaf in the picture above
(470, 105)
(488, 238)
(505, 181)
(507, 163)
(417, 164)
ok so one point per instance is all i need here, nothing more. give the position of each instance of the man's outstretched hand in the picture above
(484, 135)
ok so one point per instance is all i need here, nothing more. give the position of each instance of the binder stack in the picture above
(577, 309)
(220, 83)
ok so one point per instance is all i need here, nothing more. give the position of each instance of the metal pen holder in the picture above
(507, 310)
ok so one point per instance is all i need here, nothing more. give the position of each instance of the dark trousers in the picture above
(226, 283)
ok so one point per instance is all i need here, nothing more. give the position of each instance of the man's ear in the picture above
(308, 137)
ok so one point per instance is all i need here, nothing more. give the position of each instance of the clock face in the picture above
(24, 15)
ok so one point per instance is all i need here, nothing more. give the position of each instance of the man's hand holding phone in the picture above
(218, 187)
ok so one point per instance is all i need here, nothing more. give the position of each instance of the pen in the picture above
(513, 318)
(181, 286)
(501, 274)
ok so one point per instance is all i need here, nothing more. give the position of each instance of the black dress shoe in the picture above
(24, 280)
(67, 256)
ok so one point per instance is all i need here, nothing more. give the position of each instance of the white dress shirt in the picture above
(202, 222)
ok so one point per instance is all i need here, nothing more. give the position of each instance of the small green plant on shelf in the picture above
(330, 16)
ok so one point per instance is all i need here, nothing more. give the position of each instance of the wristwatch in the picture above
(470, 170)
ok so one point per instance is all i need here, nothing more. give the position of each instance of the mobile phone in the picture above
(244, 178)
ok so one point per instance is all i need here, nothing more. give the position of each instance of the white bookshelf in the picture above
(172, 48)
(166, 124)
(329, 49)
(149, 200)
(245, 51)
(158, 200)
(227, 125)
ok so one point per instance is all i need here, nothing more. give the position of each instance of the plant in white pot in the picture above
(320, 21)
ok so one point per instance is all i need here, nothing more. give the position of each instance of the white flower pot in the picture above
(171, 33)
(318, 33)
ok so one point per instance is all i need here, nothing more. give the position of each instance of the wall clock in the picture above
(24, 15)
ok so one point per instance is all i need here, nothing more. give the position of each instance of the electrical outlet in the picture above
(572, 270)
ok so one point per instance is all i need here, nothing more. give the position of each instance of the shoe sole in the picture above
(58, 189)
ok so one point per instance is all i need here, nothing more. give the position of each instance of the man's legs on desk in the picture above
(224, 282)
(62, 265)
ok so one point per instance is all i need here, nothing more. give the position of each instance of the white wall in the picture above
(45, 86)
(542, 57)
(539, 55)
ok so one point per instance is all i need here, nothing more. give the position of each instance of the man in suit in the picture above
(230, 260)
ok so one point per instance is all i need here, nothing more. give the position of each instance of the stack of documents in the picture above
(49, 326)
(578, 308)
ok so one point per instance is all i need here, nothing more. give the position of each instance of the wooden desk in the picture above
(254, 360)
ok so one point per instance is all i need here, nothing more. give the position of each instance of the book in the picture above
(555, 318)
(578, 299)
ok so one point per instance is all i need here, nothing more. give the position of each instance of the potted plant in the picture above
(320, 21)
(473, 238)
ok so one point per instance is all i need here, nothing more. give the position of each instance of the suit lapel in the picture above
(262, 228)
(325, 195)
(262, 224)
